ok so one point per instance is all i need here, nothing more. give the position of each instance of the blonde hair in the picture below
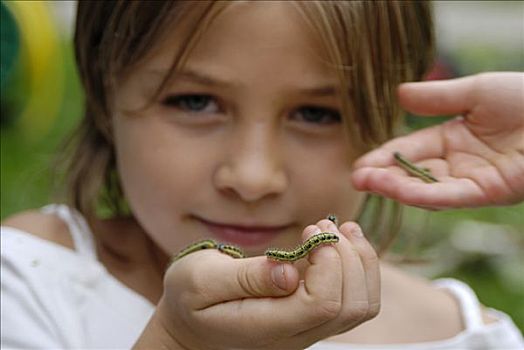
(373, 45)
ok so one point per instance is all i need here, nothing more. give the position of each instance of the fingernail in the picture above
(357, 232)
(278, 276)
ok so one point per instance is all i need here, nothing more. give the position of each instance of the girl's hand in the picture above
(213, 301)
(478, 159)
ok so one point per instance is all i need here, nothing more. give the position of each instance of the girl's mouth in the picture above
(243, 235)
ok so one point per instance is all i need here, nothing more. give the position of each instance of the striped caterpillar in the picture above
(274, 254)
(422, 173)
(303, 249)
(230, 250)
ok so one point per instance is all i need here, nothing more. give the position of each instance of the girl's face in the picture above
(246, 144)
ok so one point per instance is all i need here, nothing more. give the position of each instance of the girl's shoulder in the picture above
(44, 225)
(55, 291)
(55, 231)
(45, 245)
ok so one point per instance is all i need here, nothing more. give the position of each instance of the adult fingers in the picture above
(495, 95)
(454, 96)
(422, 144)
(447, 193)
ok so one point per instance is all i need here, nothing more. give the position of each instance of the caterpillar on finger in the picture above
(230, 250)
(205, 244)
(303, 249)
(275, 254)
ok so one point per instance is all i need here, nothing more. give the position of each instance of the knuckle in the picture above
(197, 284)
(326, 310)
(369, 254)
(251, 282)
(357, 311)
(196, 277)
(348, 228)
(311, 230)
(482, 78)
(482, 82)
(249, 285)
(326, 225)
(374, 310)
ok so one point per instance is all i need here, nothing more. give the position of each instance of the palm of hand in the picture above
(475, 165)
(478, 161)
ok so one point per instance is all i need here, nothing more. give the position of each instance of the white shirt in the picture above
(56, 298)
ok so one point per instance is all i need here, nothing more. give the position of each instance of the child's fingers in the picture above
(225, 299)
(360, 285)
(370, 264)
(316, 301)
(323, 278)
(359, 273)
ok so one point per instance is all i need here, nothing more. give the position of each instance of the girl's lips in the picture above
(243, 235)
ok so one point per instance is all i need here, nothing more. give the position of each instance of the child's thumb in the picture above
(217, 278)
(258, 277)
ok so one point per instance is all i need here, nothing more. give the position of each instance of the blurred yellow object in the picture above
(41, 64)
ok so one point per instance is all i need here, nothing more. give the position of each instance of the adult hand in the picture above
(478, 158)
(214, 301)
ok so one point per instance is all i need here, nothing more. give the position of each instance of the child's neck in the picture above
(131, 256)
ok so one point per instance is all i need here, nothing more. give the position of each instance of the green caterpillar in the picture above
(421, 173)
(303, 249)
(205, 244)
(275, 254)
(230, 250)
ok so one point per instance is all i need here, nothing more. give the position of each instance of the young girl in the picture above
(236, 121)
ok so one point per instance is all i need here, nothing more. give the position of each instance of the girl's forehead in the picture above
(263, 32)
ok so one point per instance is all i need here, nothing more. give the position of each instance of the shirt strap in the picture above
(78, 228)
(468, 301)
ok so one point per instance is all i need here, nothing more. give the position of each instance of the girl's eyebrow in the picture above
(193, 76)
(204, 79)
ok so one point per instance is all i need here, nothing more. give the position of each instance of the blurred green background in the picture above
(41, 103)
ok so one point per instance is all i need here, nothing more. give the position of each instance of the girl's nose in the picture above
(252, 169)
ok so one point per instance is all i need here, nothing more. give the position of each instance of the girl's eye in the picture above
(192, 103)
(317, 115)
